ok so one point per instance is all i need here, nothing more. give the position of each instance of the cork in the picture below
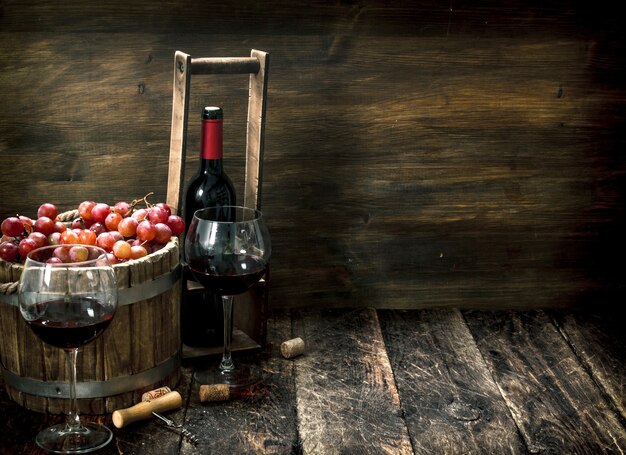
(292, 348)
(214, 392)
(154, 394)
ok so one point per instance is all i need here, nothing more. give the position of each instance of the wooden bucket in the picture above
(139, 351)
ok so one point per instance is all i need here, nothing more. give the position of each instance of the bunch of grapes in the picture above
(125, 231)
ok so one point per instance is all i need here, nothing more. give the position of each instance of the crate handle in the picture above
(184, 66)
(226, 65)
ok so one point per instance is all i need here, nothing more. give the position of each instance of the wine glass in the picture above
(227, 249)
(68, 295)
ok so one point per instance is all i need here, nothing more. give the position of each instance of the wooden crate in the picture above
(249, 309)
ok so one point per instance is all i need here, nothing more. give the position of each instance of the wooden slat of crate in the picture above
(451, 403)
(249, 311)
(345, 388)
(555, 403)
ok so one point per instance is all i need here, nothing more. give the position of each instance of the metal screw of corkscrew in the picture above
(186, 433)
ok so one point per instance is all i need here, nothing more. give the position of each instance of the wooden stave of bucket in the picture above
(139, 351)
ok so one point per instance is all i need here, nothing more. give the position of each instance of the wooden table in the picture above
(427, 381)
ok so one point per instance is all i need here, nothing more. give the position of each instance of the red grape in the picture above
(27, 222)
(105, 241)
(69, 237)
(8, 251)
(54, 260)
(128, 227)
(49, 210)
(176, 224)
(138, 251)
(39, 238)
(45, 225)
(59, 226)
(163, 233)
(87, 237)
(157, 215)
(79, 253)
(122, 250)
(146, 231)
(122, 208)
(112, 220)
(100, 211)
(165, 207)
(54, 238)
(63, 253)
(140, 214)
(26, 246)
(78, 223)
(12, 227)
(98, 228)
(84, 209)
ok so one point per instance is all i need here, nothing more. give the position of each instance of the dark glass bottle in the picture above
(202, 315)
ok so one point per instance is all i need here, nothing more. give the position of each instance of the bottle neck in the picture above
(211, 140)
(211, 166)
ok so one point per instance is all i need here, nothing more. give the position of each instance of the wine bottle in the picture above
(202, 315)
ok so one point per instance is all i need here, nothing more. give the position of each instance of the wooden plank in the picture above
(118, 340)
(346, 396)
(499, 135)
(18, 426)
(598, 338)
(554, 402)
(373, 17)
(261, 421)
(450, 401)
(255, 135)
(178, 134)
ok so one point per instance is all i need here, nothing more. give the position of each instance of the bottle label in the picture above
(211, 139)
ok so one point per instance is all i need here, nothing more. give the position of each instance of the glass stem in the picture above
(73, 419)
(227, 361)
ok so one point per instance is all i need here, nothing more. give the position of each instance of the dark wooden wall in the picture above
(418, 153)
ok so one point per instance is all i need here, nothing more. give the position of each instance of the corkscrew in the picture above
(154, 402)
(183, 431)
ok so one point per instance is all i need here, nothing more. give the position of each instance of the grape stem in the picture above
(137, 201)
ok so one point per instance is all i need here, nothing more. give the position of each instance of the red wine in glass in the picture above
(72, 323)
(227, 249)
(229, 277)
(68, 305)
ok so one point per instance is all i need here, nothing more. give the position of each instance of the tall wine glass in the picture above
(227, 249)
(68, 296)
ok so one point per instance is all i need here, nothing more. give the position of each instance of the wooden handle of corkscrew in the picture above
(144, 410)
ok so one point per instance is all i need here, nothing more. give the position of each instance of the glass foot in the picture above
(241, 376)
(61, 439)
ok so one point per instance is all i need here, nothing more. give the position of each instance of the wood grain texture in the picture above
(460, 377)
(262, 419)
(554, 402)
(419, 154)
(143, 335)
(450, 400)
(346, 395)
(598, 338)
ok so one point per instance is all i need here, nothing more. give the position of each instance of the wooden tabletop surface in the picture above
(420, 381)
